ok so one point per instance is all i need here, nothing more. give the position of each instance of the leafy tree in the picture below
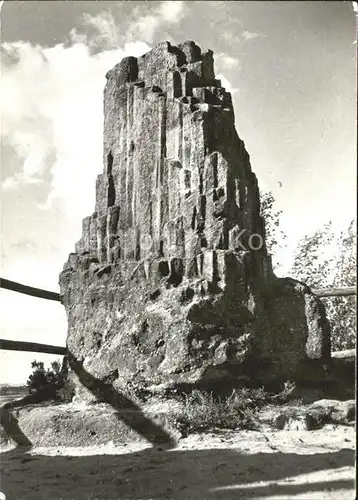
(325, 260)
(312, 262)
(342, 310)
(275, 237)
(321, 260)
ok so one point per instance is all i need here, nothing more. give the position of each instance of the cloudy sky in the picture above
(291, 67)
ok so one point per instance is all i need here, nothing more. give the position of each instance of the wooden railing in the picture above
(29, 290)
(15, 345)
(336, 292)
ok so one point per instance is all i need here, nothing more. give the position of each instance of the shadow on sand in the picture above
(126, 410)
(177, 474)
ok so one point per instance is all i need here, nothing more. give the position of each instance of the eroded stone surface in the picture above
(169, 283)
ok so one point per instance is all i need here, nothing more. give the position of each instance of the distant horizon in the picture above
(2, 384)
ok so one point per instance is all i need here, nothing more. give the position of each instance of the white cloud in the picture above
(172, 12)
(225, 61)
(17, 179)
(249, 35)
(231, 37)
(9, 183)
(230, 62)
(144, 27)
(51, 106)
(106, 33)
(51, 102)
(227, 85)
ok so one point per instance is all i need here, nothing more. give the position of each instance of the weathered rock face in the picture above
(171, 282)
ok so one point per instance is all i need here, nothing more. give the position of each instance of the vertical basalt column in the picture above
(111, 192)
(100, 193)
(137, 242)
(128, 180)
(162, 135)
(198, 149)
(174, 168)
(86, 233)
(187, 183)
(135, 150)
(93, 236)
(112, 231)
(177, 87)
(172, 129)
(248, 206)
(194, 167)
(186, 139)
(110, 195)
(207, 265)
(222, 171)
(239, 193)
(180, 237)
(165, 195)
(208, 200)
(101, 238)
(165, 241)
(132, 168)
(211, 172)
(180, 133)
(191, 236)
(161, 187)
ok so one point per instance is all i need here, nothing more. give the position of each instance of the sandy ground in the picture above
(247, 464)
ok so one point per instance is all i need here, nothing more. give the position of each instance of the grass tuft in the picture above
(202, 411)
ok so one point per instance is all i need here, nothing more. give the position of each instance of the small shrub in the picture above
(203, 411)
(66, 393)
(41, 379)
(51, 380)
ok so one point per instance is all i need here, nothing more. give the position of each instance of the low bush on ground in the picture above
(202, 411)
(66, 393)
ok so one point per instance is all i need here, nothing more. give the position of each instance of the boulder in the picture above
(171, 283)
(294, 417)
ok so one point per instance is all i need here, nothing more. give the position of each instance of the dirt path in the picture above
(247, 464)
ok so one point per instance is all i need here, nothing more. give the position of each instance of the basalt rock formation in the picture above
(171, 282)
